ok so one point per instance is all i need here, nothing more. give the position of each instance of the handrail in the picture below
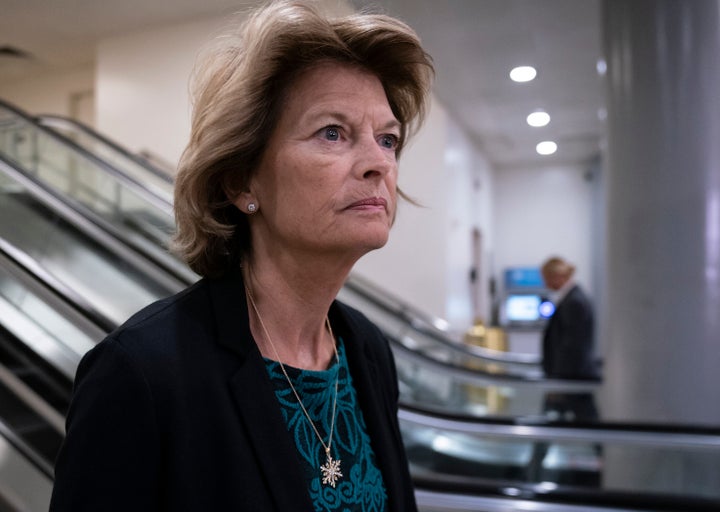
(137, 187)
(45, 467)
(431, 326)
(30, 398)
(97, 229)
(72, 302)
(450, 493)
(480, 377)
(51, 120)
(443, 493)
(677, 436)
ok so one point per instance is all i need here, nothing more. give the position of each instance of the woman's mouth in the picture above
(370, 204)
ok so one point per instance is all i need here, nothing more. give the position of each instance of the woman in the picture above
(254, 389)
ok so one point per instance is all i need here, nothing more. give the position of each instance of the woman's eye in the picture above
(389, 141)
(331, 133)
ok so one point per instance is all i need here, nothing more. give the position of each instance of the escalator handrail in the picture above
(50, 119)
(45, 467)
(428, 325)
(480, 377)
(647, 434)
(155, 200)
(33, 401)
(458, 494)
(65, 294)
(90, 225)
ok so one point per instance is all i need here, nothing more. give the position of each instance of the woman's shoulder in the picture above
(155, 327)
(173, 304)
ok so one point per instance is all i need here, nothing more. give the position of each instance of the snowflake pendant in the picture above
(331, 471)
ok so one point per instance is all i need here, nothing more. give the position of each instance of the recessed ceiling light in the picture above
(546, 147)
(523, 73)
(538, 118)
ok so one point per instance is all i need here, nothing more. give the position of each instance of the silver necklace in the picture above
(330, 471)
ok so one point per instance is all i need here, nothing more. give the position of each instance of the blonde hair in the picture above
(557, 266)
(239, 87)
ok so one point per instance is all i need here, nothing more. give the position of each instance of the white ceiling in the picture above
(474, 44)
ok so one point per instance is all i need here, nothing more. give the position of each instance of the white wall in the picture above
(143, 83)
(469, 205)
(142, 86)
(428, 259)
(541, 212)
(412, 264)
(51, 93)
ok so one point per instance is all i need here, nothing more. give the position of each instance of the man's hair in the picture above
(557, 266)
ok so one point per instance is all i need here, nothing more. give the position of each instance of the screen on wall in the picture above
(522, 307)
(527, 309)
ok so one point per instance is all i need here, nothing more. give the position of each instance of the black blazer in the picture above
(174, 411)
(568, 341)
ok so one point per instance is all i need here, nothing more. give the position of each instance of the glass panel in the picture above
(424, 385)
(41, 326)
(416, 336)
(23, 485)
(108, 152)
(597, 465)
(83, 179)
(112, 285)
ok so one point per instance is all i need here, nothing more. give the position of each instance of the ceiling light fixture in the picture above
(546, 147)
(523, 74)
(538, 118)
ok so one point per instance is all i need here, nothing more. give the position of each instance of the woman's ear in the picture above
(246, 203)
(244, 200)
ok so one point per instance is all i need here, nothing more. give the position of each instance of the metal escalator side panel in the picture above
(564, 467)
(116, 281)
(25, 484)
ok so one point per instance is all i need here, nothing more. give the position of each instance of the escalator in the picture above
(64, 283)
(474, 421)
(465, 462)
(25, 481)
(117, 203)
(155, 180)
(43, 333)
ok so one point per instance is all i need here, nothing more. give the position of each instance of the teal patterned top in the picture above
(361, 487)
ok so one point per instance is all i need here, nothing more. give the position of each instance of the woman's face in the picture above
(327, 181)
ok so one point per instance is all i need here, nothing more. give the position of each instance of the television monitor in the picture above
(523, 278)
(528, 309)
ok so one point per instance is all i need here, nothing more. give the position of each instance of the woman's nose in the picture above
(373, 160)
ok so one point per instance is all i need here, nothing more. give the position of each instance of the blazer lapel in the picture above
(371, 388)
(273, 445)
(253, 393)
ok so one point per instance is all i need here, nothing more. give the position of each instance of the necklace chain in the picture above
(331, 470)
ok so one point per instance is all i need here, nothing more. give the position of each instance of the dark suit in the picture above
(568, 353)
(568, 346)
(174, 411)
